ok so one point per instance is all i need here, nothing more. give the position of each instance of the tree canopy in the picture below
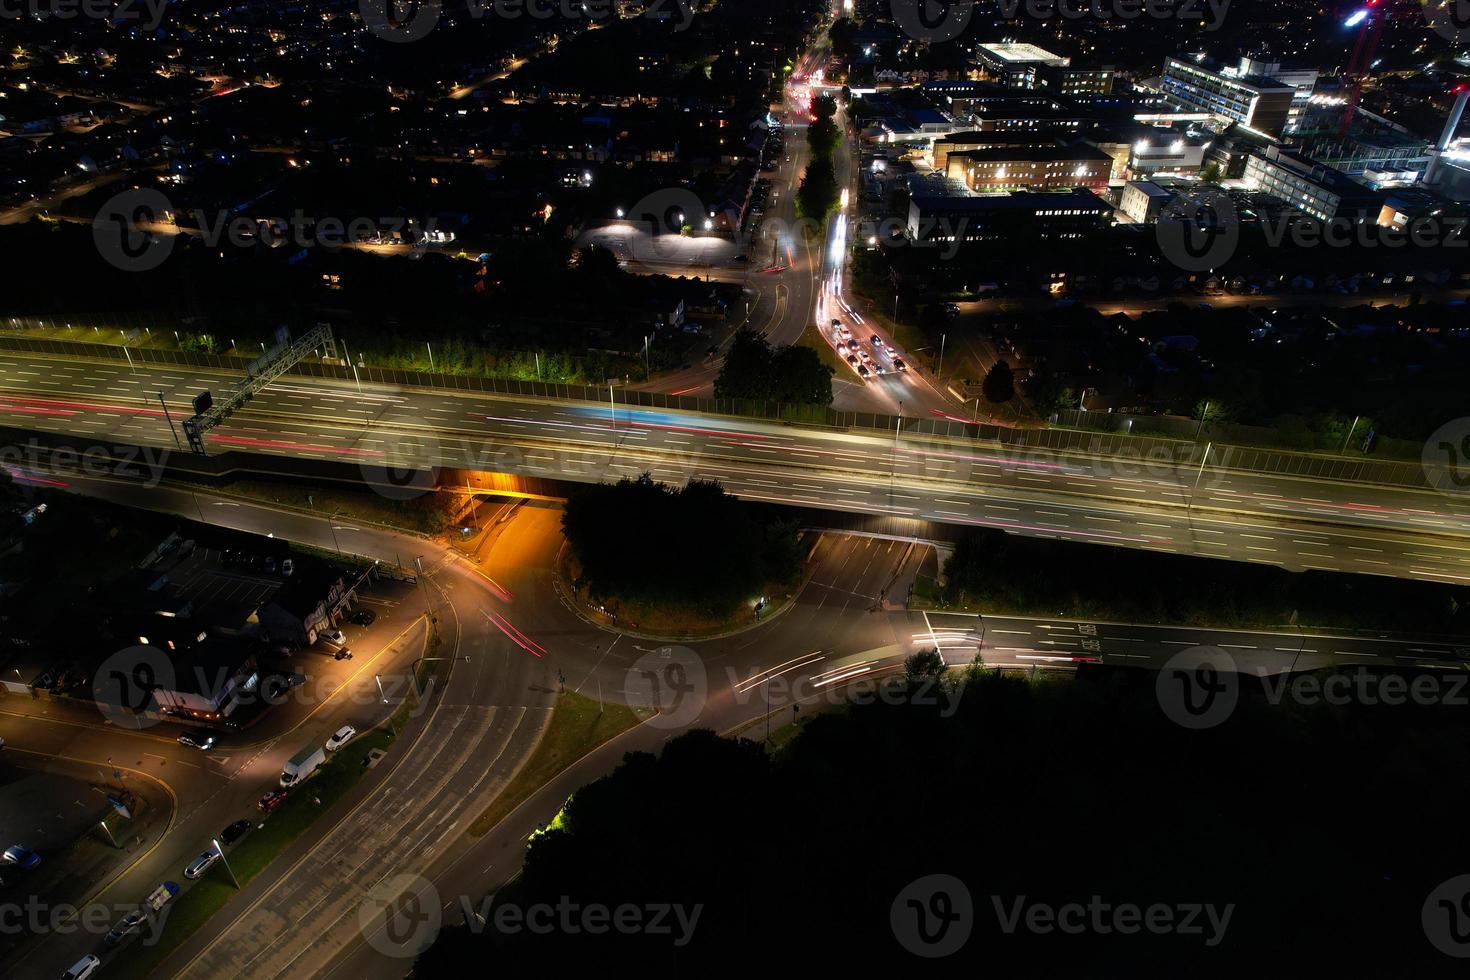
(999, 385)
(1039, 793)
(694, 547)
(791, 375)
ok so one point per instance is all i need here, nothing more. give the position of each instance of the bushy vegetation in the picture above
(1040, 793)
(695, 548)
(1007, 573)
(756, 371)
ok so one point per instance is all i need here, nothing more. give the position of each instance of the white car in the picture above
(201, 864)
(334, 637)
(83, 968)
(341, 737)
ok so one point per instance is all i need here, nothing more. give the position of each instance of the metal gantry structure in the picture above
(262, 371)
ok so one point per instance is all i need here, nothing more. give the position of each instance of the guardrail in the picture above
(1098, 443)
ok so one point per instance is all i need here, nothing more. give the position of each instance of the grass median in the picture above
(578, 725)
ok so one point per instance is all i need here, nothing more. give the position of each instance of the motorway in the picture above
(1190, 507)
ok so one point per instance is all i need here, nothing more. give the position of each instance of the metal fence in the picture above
(1120, 445)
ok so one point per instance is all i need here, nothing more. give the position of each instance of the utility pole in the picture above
(172, 431)
(939, 372)
(430, 348)
(1356, 419)
(418, 564)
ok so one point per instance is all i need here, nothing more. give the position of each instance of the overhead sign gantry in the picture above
(262, 371)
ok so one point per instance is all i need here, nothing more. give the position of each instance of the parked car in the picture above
(334, 637)
(83, 968)
(235, 831)
(341, 737)
(862, 371)
(201, 864)
(20, 856)
(126, 926)
(362, 617)
(287, 567)
(201, 742)
(271, 800)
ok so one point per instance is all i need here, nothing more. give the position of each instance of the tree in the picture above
(790, 375)
(925, 665)
(1046, 392)
(695, 547)
(999, 385)
(824, 138)
(1211, 174)
(818, 192)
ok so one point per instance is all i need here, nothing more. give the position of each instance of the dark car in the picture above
(198, 740)
(271, 800)
(126, 926)
(362, 617)
(235, 831)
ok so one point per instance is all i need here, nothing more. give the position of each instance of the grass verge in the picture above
(578, 725)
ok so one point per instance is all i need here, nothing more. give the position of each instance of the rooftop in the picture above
(1020, 53)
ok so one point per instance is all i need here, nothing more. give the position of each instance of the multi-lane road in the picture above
(1191, 507)
(513, 641)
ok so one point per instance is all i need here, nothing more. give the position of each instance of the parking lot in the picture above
(219, 593)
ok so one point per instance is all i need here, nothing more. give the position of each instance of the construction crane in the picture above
(1371, 17)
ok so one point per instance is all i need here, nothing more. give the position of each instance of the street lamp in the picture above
(225, 861)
